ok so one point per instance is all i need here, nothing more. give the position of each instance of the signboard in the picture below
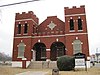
(80, 60)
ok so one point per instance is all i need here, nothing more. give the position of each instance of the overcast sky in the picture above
(46, 8)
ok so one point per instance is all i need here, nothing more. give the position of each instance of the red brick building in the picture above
(52, 38)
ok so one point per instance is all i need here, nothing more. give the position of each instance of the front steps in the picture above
(42, 65)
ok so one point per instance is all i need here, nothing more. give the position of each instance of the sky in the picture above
(42, 9)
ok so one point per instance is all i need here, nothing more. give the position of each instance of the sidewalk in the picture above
(33, 73)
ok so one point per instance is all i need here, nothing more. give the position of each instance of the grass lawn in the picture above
(6, 70)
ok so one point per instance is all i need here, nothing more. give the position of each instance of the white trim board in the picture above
(75, 15)
(26, 20)
(70, 34)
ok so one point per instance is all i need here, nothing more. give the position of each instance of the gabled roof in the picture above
(55, 22)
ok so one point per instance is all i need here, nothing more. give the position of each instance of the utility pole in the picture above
(18, 3)
(97, 54)
(0, 16)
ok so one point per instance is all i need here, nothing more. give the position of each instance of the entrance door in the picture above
(57, 50)
(40, 50)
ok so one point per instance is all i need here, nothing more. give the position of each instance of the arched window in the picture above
(19, 29)
(21, 50)
(79, 24)
(71, 24)
(77, 47)
(25, 28)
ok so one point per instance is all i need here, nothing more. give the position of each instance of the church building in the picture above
(52, 38)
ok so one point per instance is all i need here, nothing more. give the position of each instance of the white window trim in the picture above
(18, 34)
(72, 31)
(80, 30)
(20, 56)
(25, 34)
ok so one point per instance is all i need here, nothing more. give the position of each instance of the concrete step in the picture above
(42, 64)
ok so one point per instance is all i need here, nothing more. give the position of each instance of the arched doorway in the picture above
(40, 50)
(57, 50)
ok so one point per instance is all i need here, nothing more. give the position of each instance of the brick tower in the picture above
(25, 27)
(76, 30)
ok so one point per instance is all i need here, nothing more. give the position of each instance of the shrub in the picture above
(65, 63)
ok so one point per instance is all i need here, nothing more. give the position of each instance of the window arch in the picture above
(19, 29)
(71, 24)
(21, 50)
(25, 28)
(79, 24)
(77, 47)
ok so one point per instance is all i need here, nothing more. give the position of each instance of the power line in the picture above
(18, 3)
